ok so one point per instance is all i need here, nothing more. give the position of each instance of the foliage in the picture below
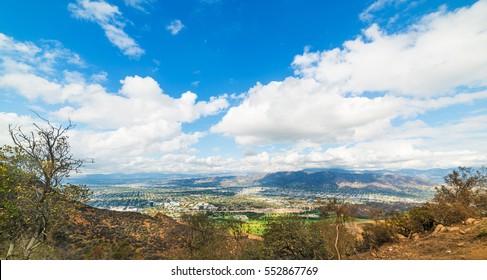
(204, 239)
(418, 219)
(34, 198)
(377, 234)
(289, 238)
(341, 212)
(462, 196)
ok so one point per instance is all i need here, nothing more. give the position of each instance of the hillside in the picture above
(92, 233)
(457, 242)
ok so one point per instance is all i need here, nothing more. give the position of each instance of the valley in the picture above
(273, 193)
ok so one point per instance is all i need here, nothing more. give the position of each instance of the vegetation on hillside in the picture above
(33, 198)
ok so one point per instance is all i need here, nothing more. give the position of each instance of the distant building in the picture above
(242, 218)
(312, 216)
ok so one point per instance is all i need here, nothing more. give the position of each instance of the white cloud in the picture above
(175, 26)
(443, 51)
(111, 21)
(140, 101)
(27, 57)
(350, 98)
(139, 4)
(6, 119)
(99, 77)
(418, 145)
(138, 121)
(31, 70)
(342, 108)
(418, 70)
(33, 87)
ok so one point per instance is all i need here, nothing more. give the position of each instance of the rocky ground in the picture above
(465, 241)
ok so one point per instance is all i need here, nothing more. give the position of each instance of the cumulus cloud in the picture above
(351, 97)
(357, 106)
(7, 119)
(302, 109)
(415, 71)
(29, 69)
(440, 53)
(175, 27)
(138, 121)
(416, 144)
(140, 100)
(110, 20)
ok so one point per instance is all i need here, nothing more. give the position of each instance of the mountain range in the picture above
(416, 184)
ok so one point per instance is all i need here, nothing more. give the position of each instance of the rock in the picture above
(453, 229)
(461, 244)
(401, 237)
(462, 232)
(415, 236)
(439, 228)
(470, 221)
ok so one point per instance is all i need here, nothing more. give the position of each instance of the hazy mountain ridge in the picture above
(308, 182)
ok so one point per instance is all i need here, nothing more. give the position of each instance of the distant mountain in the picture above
(435, 175)
(122, 178)
(309, 183)
(343, 181)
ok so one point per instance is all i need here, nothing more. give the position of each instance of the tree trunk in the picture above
(10, 251)
(37, 239)
(30, 246)
(336, 242)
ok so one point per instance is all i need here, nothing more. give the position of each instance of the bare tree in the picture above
(48, 160)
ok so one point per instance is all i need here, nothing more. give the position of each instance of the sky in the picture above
(233, 86)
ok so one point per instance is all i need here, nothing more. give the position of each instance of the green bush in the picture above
(287, 238)
(377, 234)
(400, 223)
(463, 196)
(421, 219)
(451, 213)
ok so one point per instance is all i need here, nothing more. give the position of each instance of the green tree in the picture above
(239, 234)
(13, 197)
(204, 239)
(462, 196)
(291, 238)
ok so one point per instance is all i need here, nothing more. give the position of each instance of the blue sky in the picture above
(215, 86)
